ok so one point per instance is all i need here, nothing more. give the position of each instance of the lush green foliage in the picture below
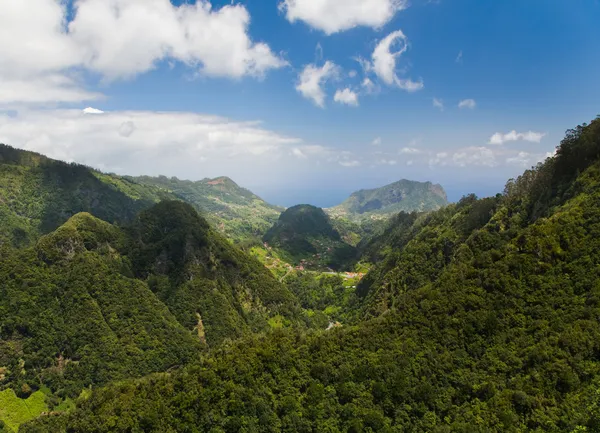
(38, 194)
(484, 316)
(305, 234)
(14, 411)
(91, 302)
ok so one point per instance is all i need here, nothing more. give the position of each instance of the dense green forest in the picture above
(305, 235)
(481, 316)
(91, 302)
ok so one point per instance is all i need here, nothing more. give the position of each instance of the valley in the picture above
(124, 307)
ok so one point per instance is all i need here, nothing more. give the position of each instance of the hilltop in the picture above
(235, 211)
(304, 233)
(402, 196)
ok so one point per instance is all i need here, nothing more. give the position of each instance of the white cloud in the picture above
(46, 88)
(459, 57)
(376, 142)
(311, 81)
(332, 16)
(498, 138)
(387, 162)
(119, 39)
(467, 103)
(346, 96)
(183, 144)
(438, 103)
(384, 60)
(349, 163)
(137, 142)
(352, 73)
(91, 110)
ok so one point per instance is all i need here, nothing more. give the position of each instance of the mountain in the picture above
(91, 302)
(305, 234)
(481, 316)
(401, 196)
(236, 211)
(38, 194)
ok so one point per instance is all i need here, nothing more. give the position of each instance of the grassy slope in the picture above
(15, 411)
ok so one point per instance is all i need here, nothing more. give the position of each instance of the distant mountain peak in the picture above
(403, 195)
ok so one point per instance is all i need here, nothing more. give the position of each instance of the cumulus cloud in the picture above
(499, 138)
(311, 81)
(91, 110)
(467, 103)
(376, 142)
(183, 144)
(41, 43)
(332, 16)
(346, 96)
(438, 103)
(384, 59)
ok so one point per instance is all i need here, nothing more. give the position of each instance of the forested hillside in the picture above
(91, 303)
(38, 194)
(305, 235)
(235, 211)
(483, 316)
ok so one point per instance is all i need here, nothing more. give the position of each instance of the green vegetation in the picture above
(235, 211)
(401, 196)
(15, 411)
(305, 236)
(38, 194)
(483, 316)
(92, 303)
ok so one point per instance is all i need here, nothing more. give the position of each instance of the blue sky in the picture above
(208, 89)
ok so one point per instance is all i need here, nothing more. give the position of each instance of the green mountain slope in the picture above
(305, 235)
(404, 195)
(485, 317)
(73, 315)
(38, 194)
(235, 211)
(92, 303)
(205, 281)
